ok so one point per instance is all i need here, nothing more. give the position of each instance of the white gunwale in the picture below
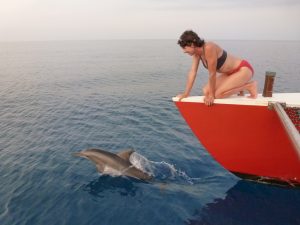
(290, 99)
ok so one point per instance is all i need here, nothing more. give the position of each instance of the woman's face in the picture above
(189, 50)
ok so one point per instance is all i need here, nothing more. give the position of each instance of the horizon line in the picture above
(140, 39)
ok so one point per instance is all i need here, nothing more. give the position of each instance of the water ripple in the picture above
(62, 97)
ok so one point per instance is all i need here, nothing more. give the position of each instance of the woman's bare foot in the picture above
(252, 88)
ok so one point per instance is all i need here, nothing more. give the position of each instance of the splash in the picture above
(159, 170)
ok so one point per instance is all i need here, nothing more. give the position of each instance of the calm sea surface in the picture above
(57, 98)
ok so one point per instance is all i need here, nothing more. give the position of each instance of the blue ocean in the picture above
(61, 97)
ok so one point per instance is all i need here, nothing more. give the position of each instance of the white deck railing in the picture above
(288, 126)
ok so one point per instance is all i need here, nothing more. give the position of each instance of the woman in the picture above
(234, 74)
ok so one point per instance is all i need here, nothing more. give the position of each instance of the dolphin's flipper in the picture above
(100, 168)
(125, 154)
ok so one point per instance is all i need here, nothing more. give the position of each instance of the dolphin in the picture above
(107, 162)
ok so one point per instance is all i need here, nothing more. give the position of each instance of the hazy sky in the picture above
(140, 19)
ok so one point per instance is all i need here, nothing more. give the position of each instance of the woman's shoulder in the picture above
(211, 49)
(211, 46)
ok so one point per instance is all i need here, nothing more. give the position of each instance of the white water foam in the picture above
(159, 170)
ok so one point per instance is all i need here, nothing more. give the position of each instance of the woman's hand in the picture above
(181, 96)
(209, 100)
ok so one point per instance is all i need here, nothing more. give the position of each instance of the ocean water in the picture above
(58, 98)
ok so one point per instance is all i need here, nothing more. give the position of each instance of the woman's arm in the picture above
(190, 78)
(211, 58)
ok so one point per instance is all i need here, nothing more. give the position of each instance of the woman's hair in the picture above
(188, 38)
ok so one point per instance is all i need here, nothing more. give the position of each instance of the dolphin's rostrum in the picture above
(119, 163)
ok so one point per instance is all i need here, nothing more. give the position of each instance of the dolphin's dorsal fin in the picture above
(125, 154)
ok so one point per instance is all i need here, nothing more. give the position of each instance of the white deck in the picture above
(291, 99)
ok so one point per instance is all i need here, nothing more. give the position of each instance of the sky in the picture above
(40, 20)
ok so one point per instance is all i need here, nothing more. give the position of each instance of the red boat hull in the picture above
(245, 139)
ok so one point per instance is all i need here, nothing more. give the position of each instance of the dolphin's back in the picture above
(110, 159)
(98, 152)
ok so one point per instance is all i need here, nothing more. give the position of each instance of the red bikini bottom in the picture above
(243, 63)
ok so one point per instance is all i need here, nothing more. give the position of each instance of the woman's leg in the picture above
(251, 87)
(219, 80)
(235, 83)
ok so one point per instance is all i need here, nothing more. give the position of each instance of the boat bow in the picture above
(246, 136)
